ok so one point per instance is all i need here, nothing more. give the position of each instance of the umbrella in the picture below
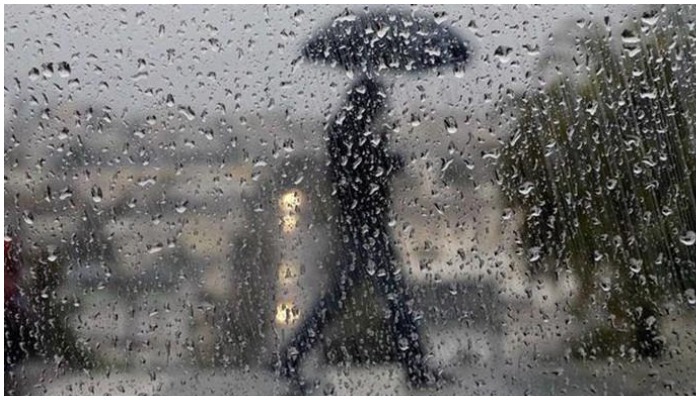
(371, 42)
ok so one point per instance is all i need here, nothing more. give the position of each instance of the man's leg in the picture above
(389, 283)
(308, 332)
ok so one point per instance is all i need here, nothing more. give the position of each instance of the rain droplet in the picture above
(650, 19)
(451, 125)
(403, 344)
(187, 112)
(47, 70)
(688, 238)
(28, 217)
(181, 208)
(503, 53)
(629, 37)
(440, 17)
(382, 32)
(371, 268)
(453, 289)
(65, 194)
(63, 69)
(459, 70)
(636, 266)
(592, 109)
(96, 193)
(33, 74)
(155, 249)
(415, 120)
(597, 255)
(690, 296)
(63, 135)
(526, 188)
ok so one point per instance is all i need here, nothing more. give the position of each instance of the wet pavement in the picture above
(475, 370)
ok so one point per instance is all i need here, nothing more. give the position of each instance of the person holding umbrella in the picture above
(361, 167)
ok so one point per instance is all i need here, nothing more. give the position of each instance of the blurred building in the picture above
(187, 240)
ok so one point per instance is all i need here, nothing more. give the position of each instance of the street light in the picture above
(289, 203)
(287, 312)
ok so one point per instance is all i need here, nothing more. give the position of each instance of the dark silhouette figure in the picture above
(361, 167)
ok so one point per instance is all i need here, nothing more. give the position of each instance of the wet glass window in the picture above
(361, 200)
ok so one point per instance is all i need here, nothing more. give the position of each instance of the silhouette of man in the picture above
(361, 167)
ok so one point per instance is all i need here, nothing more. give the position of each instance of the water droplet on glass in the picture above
(526, 188)
(155, 249)
(629, 37)
(187, 112)
(383, 31)
(63, 69)
(28, 217)
(403, 344)
(451, 125)
(690, 296)
(47, 70)
(597, 255)
(459, 71)
(688, 238)
(371, 268)
(181, 208)
(96, 193)
(453, 289)
(34, 74)
(636, 266)
(65, 194)
(650, 18)
(415, 120)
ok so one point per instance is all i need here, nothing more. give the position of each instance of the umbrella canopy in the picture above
(373, 42)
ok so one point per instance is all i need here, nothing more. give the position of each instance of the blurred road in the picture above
(531, 372)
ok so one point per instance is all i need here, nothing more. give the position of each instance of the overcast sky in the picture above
(131, 58)
(247, 49)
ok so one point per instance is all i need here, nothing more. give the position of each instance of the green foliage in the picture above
(603, 167)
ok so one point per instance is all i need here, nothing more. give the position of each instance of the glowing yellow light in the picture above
(287, 313)
(291, 201)
(289, 223)
(287, 273)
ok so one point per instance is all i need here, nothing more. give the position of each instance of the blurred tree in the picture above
(603, 170)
